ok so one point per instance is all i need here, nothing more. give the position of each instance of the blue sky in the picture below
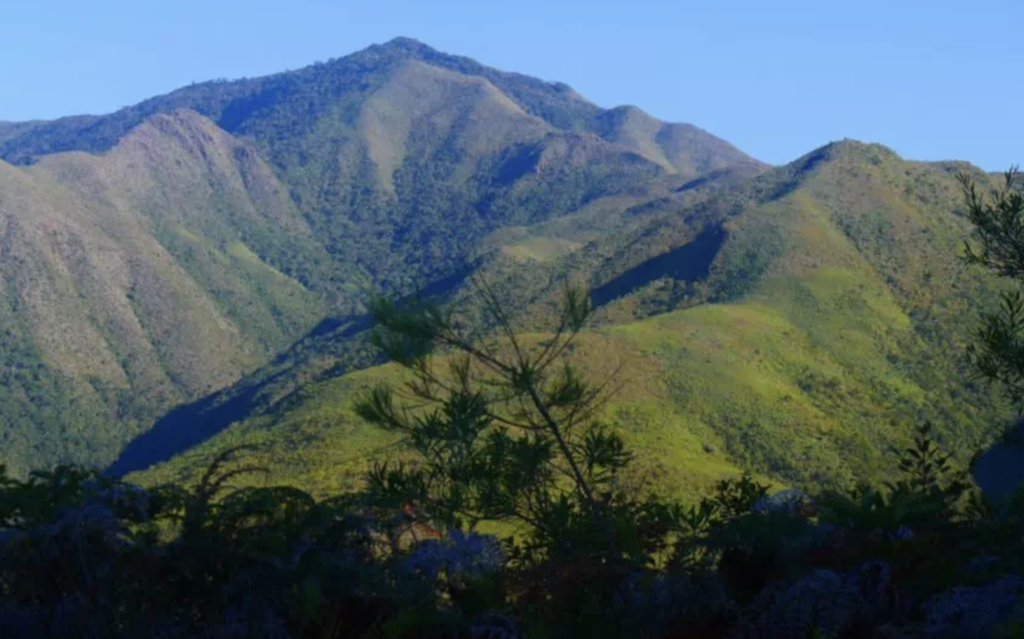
(933, 80)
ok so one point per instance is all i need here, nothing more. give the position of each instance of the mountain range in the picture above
(191, 273)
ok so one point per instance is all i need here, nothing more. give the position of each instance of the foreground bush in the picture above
(84, 556)
(505, 434)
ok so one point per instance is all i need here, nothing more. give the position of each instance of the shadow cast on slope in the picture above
(690, 262)
(193, 424)
(998, 471)
(181, 429)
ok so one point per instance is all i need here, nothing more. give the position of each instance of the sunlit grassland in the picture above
(806, 382)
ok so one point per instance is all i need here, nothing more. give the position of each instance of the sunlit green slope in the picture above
(830, 320)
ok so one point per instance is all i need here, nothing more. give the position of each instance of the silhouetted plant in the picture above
(507, 431)
(512, 435)
(998, 354)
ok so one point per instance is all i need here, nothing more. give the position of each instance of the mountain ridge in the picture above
(557, 103)
(190, 273)
(798, 344)
(220, 223)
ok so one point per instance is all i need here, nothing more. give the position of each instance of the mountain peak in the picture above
(405, 46)
(405, 42)
(245, 108)
(845, 149)
(626, 112)
(849, 145)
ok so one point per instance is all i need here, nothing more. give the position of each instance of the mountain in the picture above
(430, 151)
(133, 281)
(156, 255)
(678, 148)
(796, 324)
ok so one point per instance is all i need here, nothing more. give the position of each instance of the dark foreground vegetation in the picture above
(504, 439)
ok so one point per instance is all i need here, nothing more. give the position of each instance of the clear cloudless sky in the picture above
(931, 79)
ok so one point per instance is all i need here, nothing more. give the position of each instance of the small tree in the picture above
(506, 430)
(998, 354)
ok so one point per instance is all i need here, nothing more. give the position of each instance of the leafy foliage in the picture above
(513, 437)
(802, 367)
(85, 555)
(998, 354)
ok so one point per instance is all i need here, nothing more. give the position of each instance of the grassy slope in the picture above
(400, 156)
(708, 390)
(838, 312)
(680, 149)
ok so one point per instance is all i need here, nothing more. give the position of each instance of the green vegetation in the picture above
(509, 433)
(801, 364)
(189, 276)
(130, 285)
(167, 251)
(999, 227)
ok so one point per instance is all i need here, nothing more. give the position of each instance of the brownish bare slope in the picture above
(133, 276)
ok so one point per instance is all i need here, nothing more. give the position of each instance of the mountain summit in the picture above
(158, 253)
(190, 272)
(237, 106)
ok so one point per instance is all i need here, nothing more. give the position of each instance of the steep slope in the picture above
(824, 320)
(525, 263)
(429, 150)
(677, 148)
(131, 283)
(160, 252)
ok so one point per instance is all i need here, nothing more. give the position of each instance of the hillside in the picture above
(124, 293)
(796, 324)
(427, 150)
(157, 254)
